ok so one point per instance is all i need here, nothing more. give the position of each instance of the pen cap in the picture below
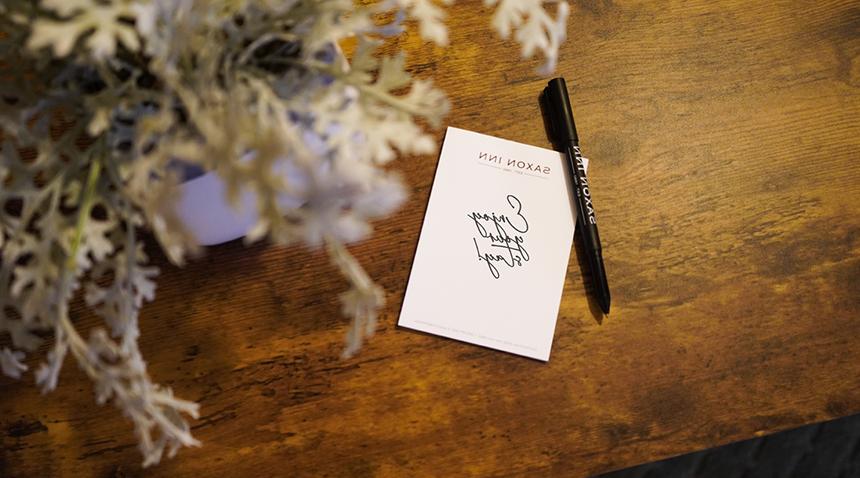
(560, 113)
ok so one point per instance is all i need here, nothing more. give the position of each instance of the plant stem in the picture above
(368, 89)
(86, 204)
(64, 324)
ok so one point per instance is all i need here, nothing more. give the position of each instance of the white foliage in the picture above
(430, 17)
(10, 362)
(535, 29)
(256, 91)
(81, 16)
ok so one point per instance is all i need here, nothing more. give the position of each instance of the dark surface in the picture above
(824, 450)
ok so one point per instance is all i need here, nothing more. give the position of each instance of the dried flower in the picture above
(109, 98)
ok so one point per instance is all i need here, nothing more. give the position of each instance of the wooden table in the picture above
(725, 139)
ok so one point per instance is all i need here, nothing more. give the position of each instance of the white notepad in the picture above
(494, 248)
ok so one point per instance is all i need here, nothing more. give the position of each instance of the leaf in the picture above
(536, 29)
(10, 362)
(99, 23)
(430, 19)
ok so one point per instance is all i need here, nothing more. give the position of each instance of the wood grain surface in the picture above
(725, 147)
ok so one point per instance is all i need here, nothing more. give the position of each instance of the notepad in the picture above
(493, 251)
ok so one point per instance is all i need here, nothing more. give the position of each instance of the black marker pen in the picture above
(563, 132)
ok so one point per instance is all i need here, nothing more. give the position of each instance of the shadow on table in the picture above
(823, 450)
